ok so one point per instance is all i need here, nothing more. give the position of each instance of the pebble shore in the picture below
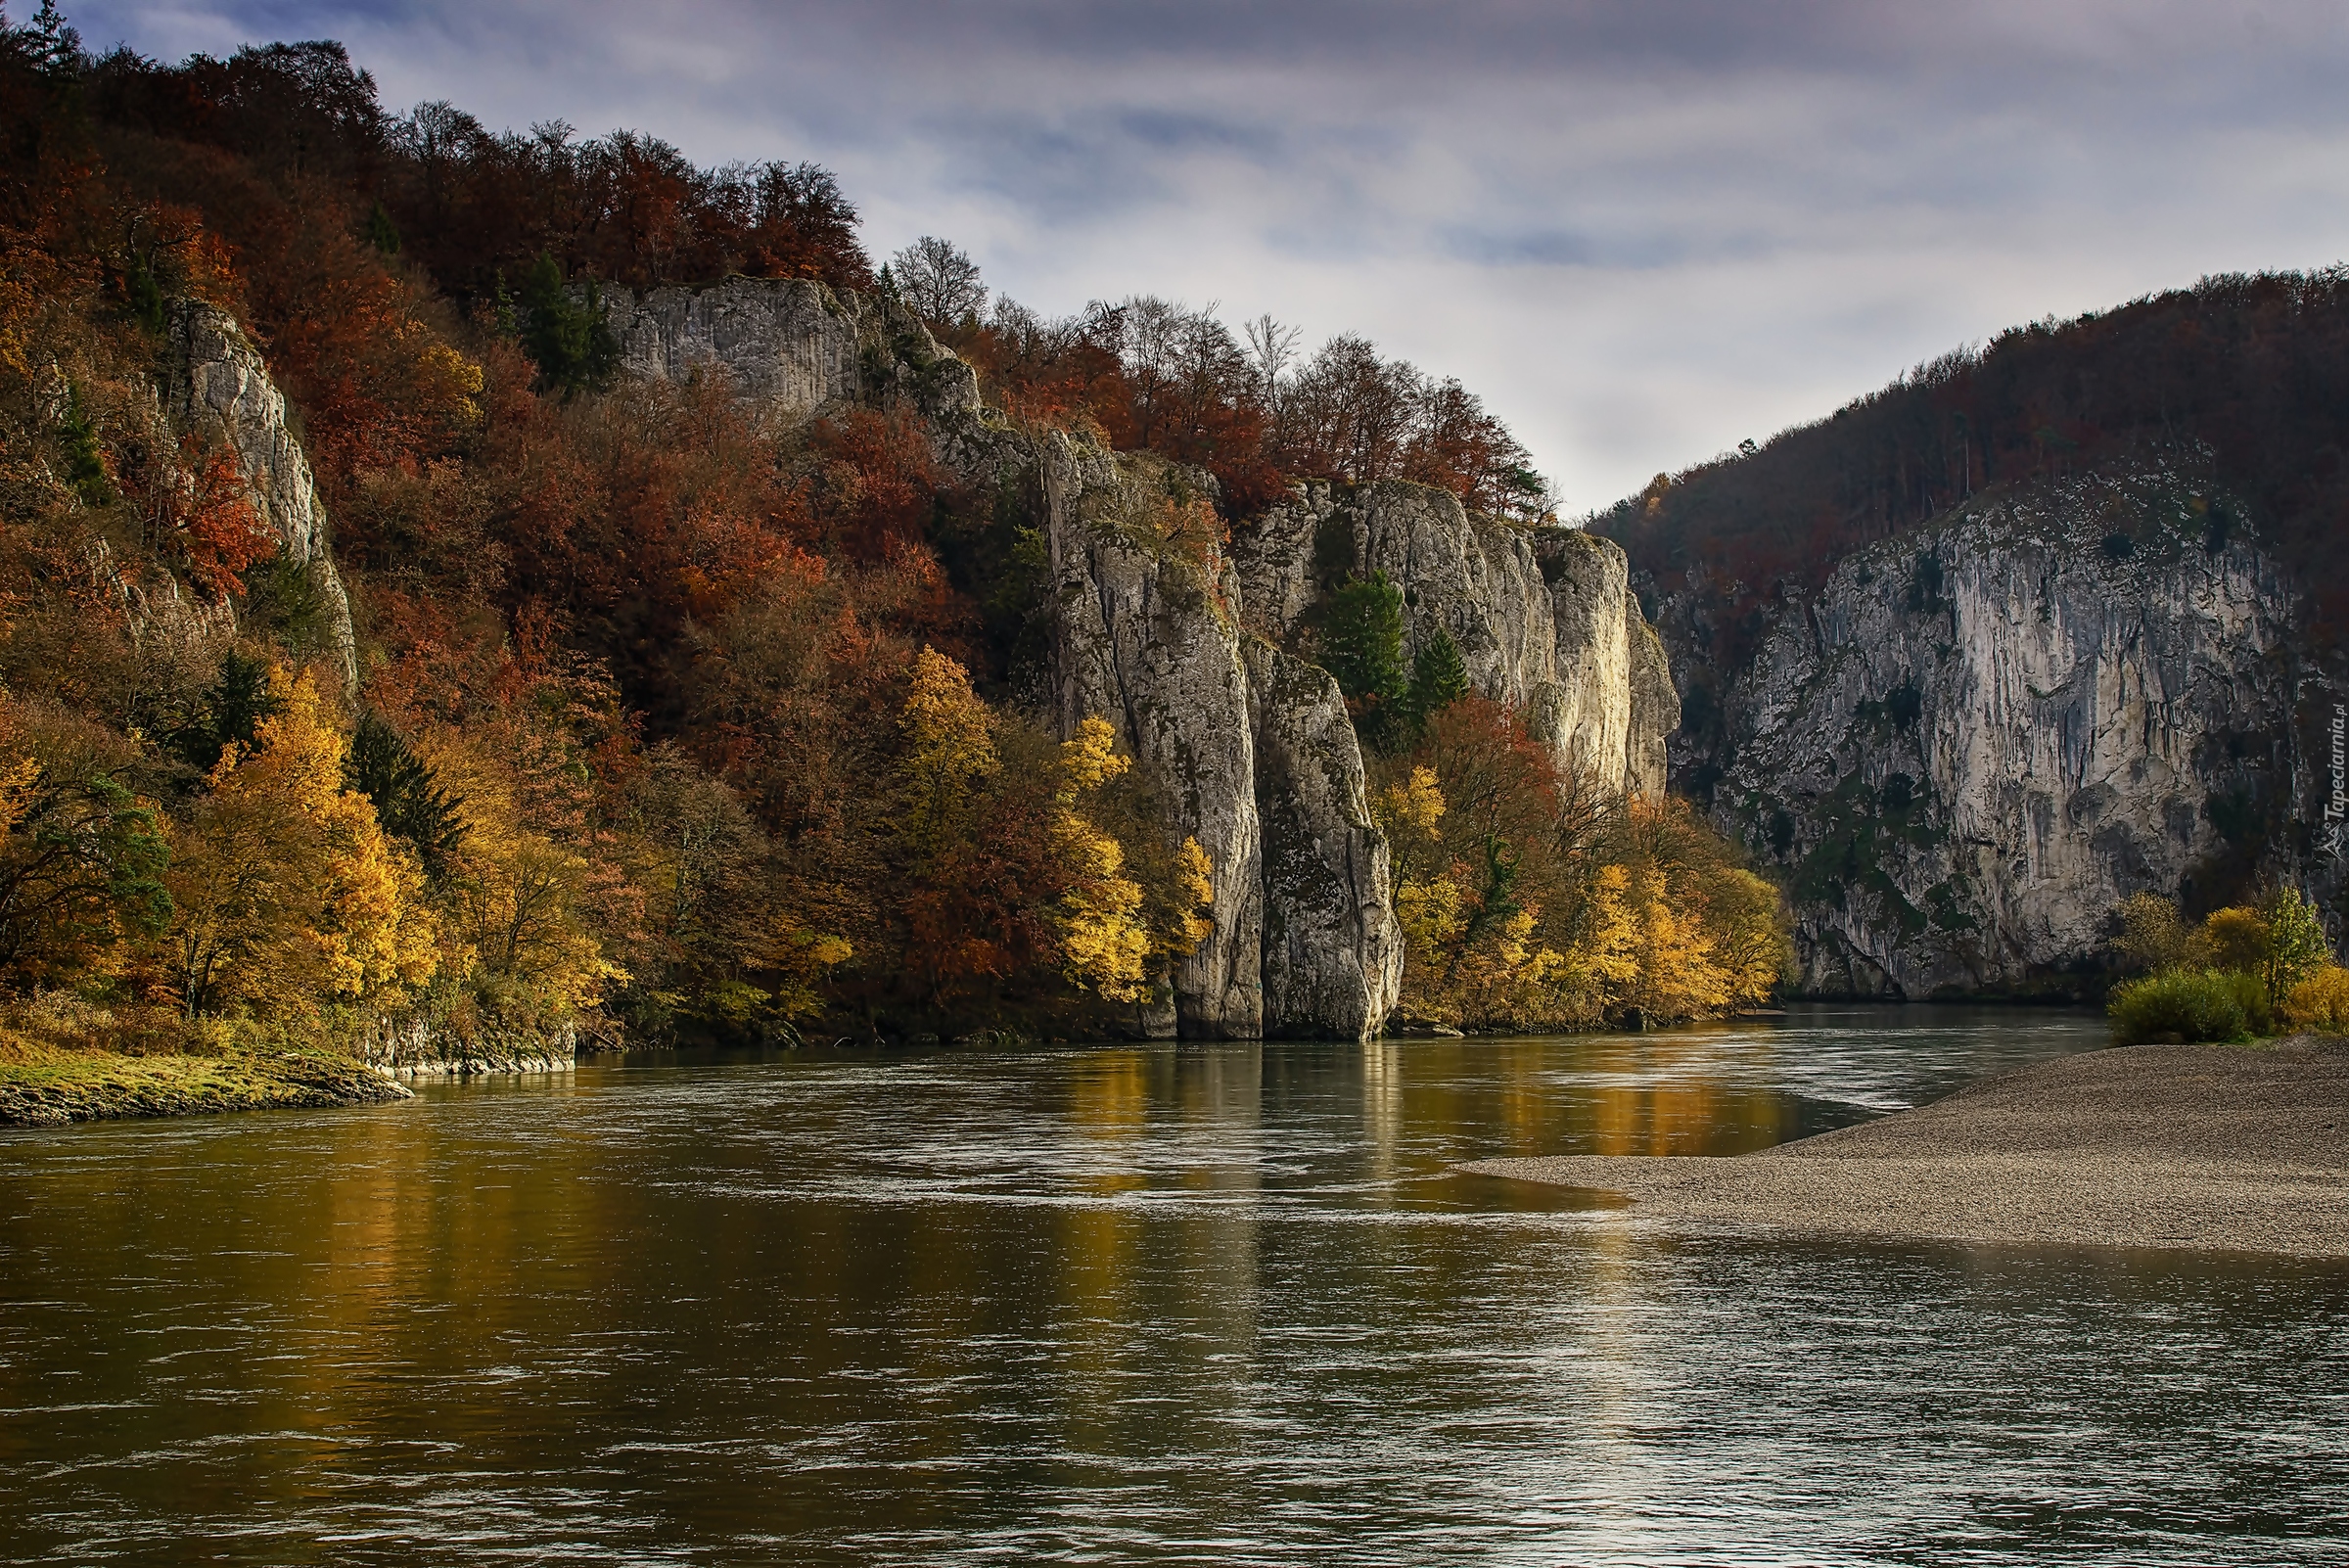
(2226, 1147)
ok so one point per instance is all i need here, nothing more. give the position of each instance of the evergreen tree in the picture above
(409, 802)
(232, 713)
(569, 340)
(85, 461)
(1361, 645)
(1438, 677)
(382, 232)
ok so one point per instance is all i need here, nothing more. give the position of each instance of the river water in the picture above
(1221, 1305)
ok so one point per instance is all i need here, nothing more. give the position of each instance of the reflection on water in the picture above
(1222, 1305)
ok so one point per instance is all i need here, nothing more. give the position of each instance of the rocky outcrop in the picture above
(1977, 738)
(1144, 636)
(217, 389)
(417, 1047)
(1246, 742)
(1332, 952)
(1655, 708)
(791, 347)
(1544, 620)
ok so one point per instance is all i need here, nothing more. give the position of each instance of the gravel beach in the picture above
(2233, 1147)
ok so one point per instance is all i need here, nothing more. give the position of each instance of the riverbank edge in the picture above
(58, 1087)
(2241, 1148)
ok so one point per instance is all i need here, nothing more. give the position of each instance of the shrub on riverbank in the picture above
(2319, 1003)
(2234, 977)
(2188, 1007)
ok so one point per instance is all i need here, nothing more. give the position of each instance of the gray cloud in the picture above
(1645, 231)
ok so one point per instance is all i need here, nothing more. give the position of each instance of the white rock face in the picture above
(1544, 622)
(1332, 950)
(1978, 738)
(791, 345)
(1147, 640)
(220, 391)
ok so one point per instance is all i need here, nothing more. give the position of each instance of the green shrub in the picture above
(2190, 1005)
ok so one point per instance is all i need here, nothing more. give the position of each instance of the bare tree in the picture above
(938, 281)
(1271, 345)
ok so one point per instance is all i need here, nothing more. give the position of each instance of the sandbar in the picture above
(2225, 1148)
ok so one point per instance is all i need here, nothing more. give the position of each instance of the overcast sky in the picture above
(1643, 231)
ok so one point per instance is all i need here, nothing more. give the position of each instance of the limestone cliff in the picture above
(1976, 738)
(1143, 636)
(216, 389)
(791, 347)
(1544, 620)
(1246, 741)
(1332, 952)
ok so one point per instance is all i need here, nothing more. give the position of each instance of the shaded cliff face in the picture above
(216, 389)
(1979, 737)
(1143, 637)
(1332, 950)
(1252, 750)
(1543, 622)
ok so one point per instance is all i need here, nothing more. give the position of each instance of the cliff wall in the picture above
(216, 389)
(1194, 651)
(791, 347)
(1545, 621)
(1977, 738)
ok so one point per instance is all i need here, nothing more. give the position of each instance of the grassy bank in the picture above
(61, 1062)
(47, 1087)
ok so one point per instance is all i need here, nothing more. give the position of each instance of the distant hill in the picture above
(2252, 370)
(2030, 630)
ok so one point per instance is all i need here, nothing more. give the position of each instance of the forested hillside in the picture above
(2035, 629)
(651, 716)
(2250, 373)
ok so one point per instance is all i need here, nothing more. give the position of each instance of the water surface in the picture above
(1223, 1305)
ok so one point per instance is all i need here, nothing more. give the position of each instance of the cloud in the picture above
(1643, 230)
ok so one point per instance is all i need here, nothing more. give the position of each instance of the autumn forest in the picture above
(658, 721)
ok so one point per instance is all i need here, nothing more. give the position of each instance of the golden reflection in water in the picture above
(1109, 1103)
(1666, 1095)
(1382, 1108)
(1197, 1310)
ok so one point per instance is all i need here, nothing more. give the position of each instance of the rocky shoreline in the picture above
(2229, 1148)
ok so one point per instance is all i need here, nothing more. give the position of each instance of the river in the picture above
(1211, 1304)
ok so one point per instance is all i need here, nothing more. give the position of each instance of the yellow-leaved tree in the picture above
(1602, 954)
(519, 926)
(950, 746)
(1430, 907)
(1103, 939)
(285, 890)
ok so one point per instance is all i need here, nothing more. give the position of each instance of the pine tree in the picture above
(1361, 645)
(1438, 677)
(409, 802)
(382, 232)
(567, 340)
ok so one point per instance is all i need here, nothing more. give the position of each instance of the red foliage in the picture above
(877, 481)
(220, 532)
